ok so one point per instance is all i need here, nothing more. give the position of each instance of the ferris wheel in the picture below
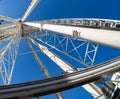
(63, 41)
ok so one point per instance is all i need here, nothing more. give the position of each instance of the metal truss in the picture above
(7, 31)
(96, 91)
(8, 56)
(90, 53)
(77, 49)
(50, 42)
(71, 37)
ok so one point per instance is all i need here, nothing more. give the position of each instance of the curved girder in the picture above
(55, 84)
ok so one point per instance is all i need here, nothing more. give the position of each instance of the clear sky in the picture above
(26, 69)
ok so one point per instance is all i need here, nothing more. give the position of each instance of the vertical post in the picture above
(44, 69)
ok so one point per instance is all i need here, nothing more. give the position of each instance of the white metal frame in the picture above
(82, 32)
(32, 5)
(69, 46)
(8, 57)
(90, 34)
(91, 88)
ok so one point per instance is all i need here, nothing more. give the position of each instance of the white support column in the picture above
(101, 36)
(91, 88)
(30, 8)
(53, 57)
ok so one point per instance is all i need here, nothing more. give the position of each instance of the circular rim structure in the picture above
(73, 38)
(60, 83)
(67, 81)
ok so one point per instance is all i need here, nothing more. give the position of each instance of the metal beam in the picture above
(63, 65)
(67, 45)
(30, 8)
(56, 84)
(101, 36)
(44, 69)
(8, 19)
(91, 88)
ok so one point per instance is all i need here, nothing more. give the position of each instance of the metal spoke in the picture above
(32, 5)
(8, 19)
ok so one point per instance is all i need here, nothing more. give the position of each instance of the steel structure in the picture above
(59, 39)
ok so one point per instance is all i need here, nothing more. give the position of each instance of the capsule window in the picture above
(87, 22)
(107, 24)
(97, 23)
(117, 25)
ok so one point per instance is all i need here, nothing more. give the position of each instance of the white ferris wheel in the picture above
(61, 40)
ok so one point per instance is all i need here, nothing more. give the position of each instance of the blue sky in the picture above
(26, 69)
